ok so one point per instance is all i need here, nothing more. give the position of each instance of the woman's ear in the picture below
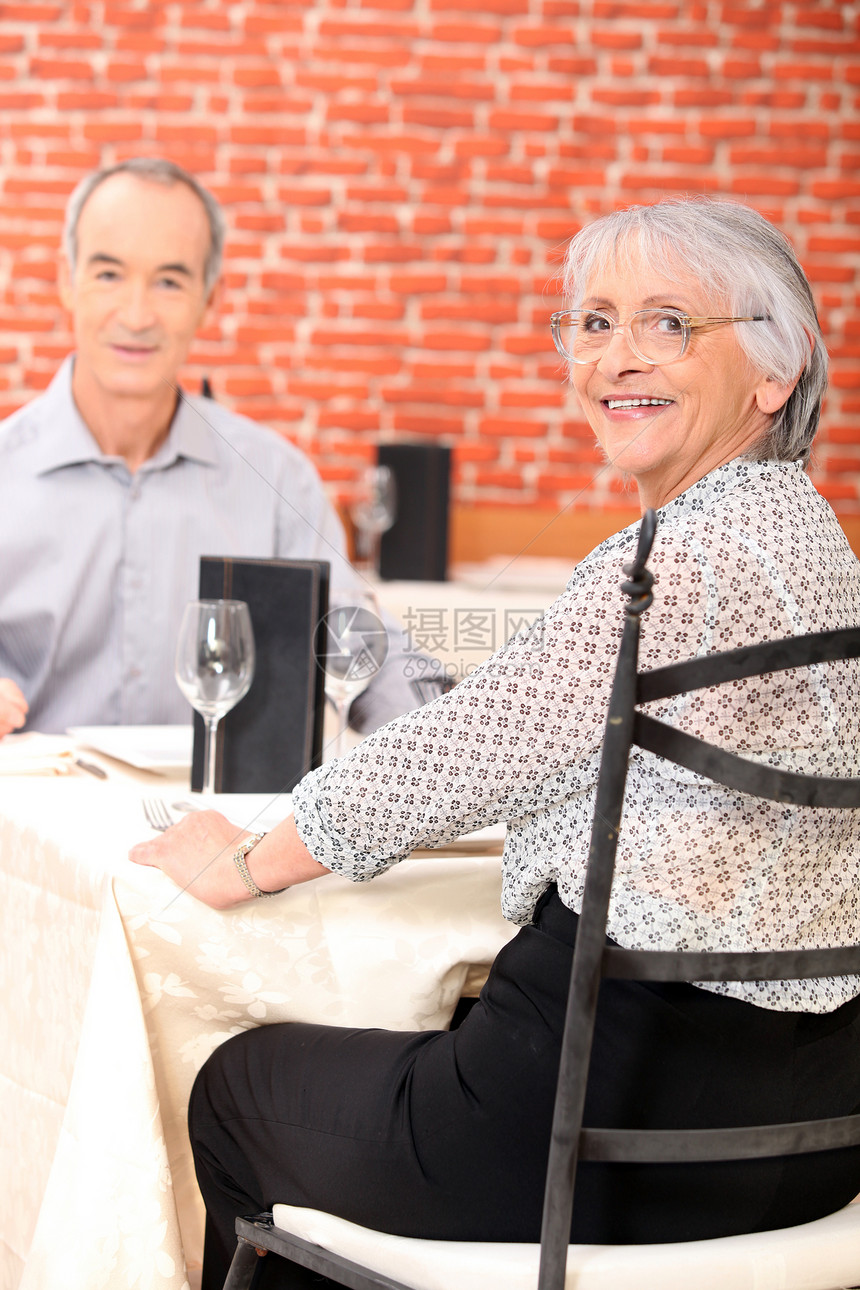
(772, 394)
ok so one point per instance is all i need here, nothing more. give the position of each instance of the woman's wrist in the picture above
(278, 860)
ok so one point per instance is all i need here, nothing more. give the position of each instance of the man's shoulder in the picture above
(21, 428)
(254, 439)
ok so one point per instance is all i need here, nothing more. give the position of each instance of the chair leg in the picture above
(243, 1267)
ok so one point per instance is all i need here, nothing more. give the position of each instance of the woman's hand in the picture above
(197, 853)
(13, 707)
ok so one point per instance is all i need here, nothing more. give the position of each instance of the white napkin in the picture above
(35, 754)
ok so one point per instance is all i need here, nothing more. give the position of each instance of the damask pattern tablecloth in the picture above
(116, 987)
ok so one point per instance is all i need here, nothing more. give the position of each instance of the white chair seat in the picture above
(822, 1255)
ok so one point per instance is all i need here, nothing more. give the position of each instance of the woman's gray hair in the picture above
(159, 171)
(745, 266)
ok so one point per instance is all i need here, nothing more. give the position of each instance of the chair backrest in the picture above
(594, 959)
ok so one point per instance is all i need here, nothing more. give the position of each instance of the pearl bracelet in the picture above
(239, 861)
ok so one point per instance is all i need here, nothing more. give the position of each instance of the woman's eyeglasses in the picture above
(657, 336)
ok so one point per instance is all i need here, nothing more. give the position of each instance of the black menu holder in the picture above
(274, 734)
(415, 548)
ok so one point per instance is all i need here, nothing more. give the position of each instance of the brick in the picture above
(356, 222)
(505, 7)
(267, 135)
(438, 118)
(359, 112)
(350, 420)
(799, 158)
(477, 310)
(679, 67)
(688, 156)
(565, 66)
(325, 390)
(189, 75)
(54, 39)
(727, 127)
(835, 190)
(539, 342)
(265, 102)
(31, 12)
(462, 341)
(293, 196)
(818, 16)
(467, 452)
(462, 33)
(433, 392)
(390, 252)
(21, 102)
(799, 128)
(537, 398)
(542, 37)
(453, 87)
(159, 102)
(505, 120)
(433, 224)
(499, 478)
(562, 482)
(547, 93)
(390, 56)
(512, 427)
(702, 97)
(687, 36)
(335, 82)
(381, 310)
(393, 336)
(410, 423)
(567, 178)
(413, 284)
(802, 72)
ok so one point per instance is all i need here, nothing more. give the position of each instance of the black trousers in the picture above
(445, 1134)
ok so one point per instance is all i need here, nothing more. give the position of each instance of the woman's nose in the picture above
(619, 355)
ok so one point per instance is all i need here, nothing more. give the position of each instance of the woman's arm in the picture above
(198, 855)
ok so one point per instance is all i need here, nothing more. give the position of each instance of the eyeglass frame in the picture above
(687, 322)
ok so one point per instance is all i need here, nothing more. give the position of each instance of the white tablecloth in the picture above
(116, 987)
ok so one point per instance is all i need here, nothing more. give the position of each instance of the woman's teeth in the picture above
(612, 404)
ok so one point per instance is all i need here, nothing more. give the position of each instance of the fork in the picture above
(158, 817)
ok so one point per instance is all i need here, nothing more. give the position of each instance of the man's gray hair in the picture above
(745, 266)
(158, 171)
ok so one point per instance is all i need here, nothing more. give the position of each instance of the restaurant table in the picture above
(117, 986)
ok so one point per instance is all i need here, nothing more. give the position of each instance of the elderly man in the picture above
(118, 481)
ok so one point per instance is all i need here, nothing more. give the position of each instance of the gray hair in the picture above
(746, 266)
(158, 171)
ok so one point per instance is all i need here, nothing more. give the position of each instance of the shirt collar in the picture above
(67, 440)
(711, 489)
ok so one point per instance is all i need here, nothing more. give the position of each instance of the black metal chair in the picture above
(820, 1255)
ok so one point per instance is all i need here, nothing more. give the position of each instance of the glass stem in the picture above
(373, 554)
(209, 755)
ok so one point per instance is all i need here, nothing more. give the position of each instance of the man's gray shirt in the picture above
(97, 563)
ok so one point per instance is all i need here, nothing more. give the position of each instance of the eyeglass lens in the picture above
(657, 335)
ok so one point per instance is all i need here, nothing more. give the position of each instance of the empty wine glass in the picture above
(356, 644)
(372, 511)
(214, 665)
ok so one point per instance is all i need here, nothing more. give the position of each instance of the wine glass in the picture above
(214, 665)
(356, 644)
(372, 511)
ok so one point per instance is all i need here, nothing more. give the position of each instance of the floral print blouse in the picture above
(750, 552)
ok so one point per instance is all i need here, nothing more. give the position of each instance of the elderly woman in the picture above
(695, 352)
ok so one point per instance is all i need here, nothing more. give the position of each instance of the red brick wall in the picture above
(400, 177)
